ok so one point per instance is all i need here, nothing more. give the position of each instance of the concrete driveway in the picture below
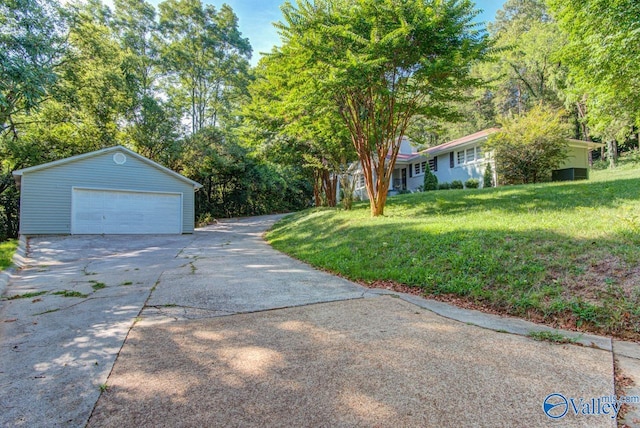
(217, 328)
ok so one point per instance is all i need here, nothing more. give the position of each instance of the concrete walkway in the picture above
(219, 329)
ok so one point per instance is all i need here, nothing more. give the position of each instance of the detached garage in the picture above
(109, 191)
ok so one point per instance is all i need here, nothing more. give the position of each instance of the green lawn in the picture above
(567, 254)
(7, 248)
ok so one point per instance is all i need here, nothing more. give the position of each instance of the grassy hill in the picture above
(567, 254)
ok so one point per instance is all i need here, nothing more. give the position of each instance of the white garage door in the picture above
(125, 212)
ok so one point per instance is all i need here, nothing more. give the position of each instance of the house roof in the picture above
(17, 174)
(466, 140)
(591, 145)
(482, 135)
(402, 157)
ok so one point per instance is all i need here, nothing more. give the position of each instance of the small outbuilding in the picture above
(109, 191)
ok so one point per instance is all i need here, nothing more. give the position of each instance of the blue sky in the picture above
(255, 18)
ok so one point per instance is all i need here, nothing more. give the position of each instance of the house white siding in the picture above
(46, 194)
(461, 172)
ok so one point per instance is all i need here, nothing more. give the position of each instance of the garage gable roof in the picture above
(18, 173)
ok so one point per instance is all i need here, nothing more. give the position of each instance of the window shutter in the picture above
(451, 160)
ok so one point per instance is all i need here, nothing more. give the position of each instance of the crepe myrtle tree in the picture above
(382, 62)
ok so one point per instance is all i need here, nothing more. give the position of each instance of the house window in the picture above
(433, 164)
(423, 166)
(471, 155)
(417, 168)
(361, 181)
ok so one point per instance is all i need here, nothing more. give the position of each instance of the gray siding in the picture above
(45, 195)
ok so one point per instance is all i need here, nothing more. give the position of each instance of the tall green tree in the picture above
(152, 124)
(93, 78)
(135, 26)
(380, 64)
(299, 114)
(529, 146)
(526, 71)
(602, 55)
(32, 42)
(206, 58)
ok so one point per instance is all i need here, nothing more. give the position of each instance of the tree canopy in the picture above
(382, 63)
(602, 55)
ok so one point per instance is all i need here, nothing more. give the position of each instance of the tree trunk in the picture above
(317, 188)
(329, 187)
(612, 151)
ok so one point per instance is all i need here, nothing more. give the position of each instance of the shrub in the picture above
(444, 186)
(488, 176)
(530, 146)
(600, 165)
(205, 220)
(457, 184)
(472, 183)
(430, 181)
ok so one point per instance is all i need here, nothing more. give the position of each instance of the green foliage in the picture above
(522, 250)
(444, 186)
(472, 183)
(31, 44)
(525, 72)
(528, 147)
(7, 249)
(456, 184)
(205, 58)
(234, 183)
(430, 181)
(367, 56)
(131, 77)
(487, 178)
(602, 59)
(9, 207)
(301, 123)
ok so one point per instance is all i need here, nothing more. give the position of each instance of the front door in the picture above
(404, 178)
